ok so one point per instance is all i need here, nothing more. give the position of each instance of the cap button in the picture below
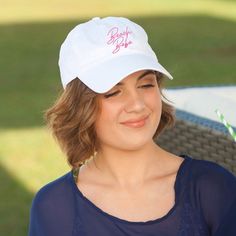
(96, 18)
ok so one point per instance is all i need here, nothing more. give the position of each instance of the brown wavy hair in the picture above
(72, 120)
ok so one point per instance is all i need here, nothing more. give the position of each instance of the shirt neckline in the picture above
(180, 172)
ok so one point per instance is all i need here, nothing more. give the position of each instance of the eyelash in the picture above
(143, 86)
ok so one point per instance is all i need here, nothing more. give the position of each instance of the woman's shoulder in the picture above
(210, 168)
(57, 187)
(53, 208)
(214, 189)
(211, 175)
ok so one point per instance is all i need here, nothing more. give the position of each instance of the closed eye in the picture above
(147, 86)
(111, 94)
(117, 92)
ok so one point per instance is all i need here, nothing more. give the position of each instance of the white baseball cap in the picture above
(103, 51)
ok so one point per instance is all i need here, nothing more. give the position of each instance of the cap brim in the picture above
(102, 77)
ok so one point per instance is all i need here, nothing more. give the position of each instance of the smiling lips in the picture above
(135, 123)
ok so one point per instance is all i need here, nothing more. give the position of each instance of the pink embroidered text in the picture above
(119, 39)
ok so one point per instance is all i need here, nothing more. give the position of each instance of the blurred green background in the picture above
(195, 40)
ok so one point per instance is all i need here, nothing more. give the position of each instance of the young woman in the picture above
(106, 119)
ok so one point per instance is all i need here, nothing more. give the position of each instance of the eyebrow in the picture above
(140, 77)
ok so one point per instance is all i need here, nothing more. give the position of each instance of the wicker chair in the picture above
(200, 138)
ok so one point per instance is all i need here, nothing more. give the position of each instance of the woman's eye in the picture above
(111, 94)
(117, 92)
(147, 85)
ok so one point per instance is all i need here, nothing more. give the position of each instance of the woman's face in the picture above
(130, 112)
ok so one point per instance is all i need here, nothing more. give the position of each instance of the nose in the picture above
(134, 102)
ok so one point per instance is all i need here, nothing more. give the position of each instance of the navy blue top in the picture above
(205, 205)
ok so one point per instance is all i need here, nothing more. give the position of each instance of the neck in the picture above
(128, 168)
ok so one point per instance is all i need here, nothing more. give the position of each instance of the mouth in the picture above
(138, 123)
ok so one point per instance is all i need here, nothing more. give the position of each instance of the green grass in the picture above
(197, 50)
(194, 40)
(29, 158)
(16, 11)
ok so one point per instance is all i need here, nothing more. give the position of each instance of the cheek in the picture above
(155, 105)
(153, 101)
(109, 116)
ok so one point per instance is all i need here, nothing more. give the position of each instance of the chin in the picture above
(133, 144)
